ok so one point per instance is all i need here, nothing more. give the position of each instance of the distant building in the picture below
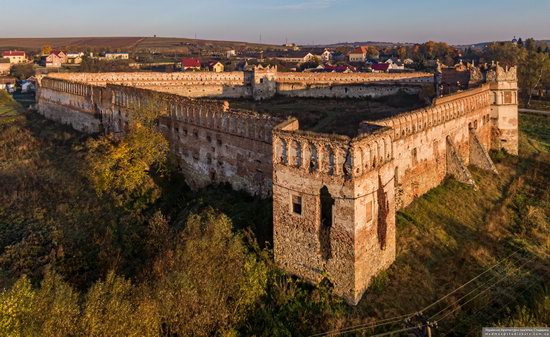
(7, 83)
(395, 64)
(231, 53)
(15, 56)
(74, 57)
(380, 67)
(61, 55)
(190, 64)
(54, 60)
(117, 56)
(326, 56)
(301, 56)
(359, 54)
(216, 67)
(5, 68)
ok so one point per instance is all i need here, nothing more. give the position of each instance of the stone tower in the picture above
(504, 108)
(333, 207)
(264, 85)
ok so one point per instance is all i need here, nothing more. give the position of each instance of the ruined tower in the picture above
(504, 108)
(333, 207)
(264, 85)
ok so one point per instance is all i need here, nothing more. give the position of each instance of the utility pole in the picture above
(423, 327)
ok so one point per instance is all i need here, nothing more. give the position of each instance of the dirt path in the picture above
(533, 111)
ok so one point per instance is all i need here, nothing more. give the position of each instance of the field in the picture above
(113, 43)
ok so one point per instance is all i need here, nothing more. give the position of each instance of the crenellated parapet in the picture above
(211, 114)
(70, 87)
(261, 83)
(351, 78)
(443, 110)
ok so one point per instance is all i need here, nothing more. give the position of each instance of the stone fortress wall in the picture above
(334, 197)
(262, 83)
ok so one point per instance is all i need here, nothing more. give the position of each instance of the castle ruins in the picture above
(335, 197)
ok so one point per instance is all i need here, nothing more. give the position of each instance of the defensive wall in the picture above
(262, 83)
(334, 196)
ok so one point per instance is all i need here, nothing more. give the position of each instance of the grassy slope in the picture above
(453, 233)
(123, 43)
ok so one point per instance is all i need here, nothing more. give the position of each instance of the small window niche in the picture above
(296, 204)
(368, 211)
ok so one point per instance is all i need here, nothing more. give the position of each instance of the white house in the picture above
(359, 54)
(117, 56)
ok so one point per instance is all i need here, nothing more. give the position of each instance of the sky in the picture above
(277, 21)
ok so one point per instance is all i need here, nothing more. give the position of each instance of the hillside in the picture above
(123, 43)
(52, 220)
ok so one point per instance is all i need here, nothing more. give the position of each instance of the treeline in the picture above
(207, 283)
(98, 237)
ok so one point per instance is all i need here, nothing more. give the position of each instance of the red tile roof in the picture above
(380, 66)
(13, 53)
(190, 63)
(360, 50)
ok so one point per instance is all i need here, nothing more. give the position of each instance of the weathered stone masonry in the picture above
(334, 197)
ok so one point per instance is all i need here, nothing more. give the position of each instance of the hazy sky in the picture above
(301, 21)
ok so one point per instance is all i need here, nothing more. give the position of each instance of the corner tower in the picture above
(504, 108)
(333, 207)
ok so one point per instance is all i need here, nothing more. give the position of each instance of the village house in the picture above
(74, 57)
(54, 60)
(230, 53)
(15, 56)
(117, 56)
(380, 67)
(326, 55)
(358, 54)
(216, 66)
(301, 56)
(5, 67)
(7, 83)
(190, 64)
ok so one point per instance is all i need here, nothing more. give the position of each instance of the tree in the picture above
(373, 53)
(534, 72)
(112, 309)
(121, 168)
(211, 281)
(530, 45)
(16, 308)
(507, 54)
(55, 309)
(402, 52)
(22, 71)
(46, 49)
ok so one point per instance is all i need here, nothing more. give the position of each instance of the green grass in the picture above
(453, 233)
(535, 133)
(9, 109)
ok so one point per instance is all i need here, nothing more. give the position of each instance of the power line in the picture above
(514, 299)
(399, 318)
(479, 294)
